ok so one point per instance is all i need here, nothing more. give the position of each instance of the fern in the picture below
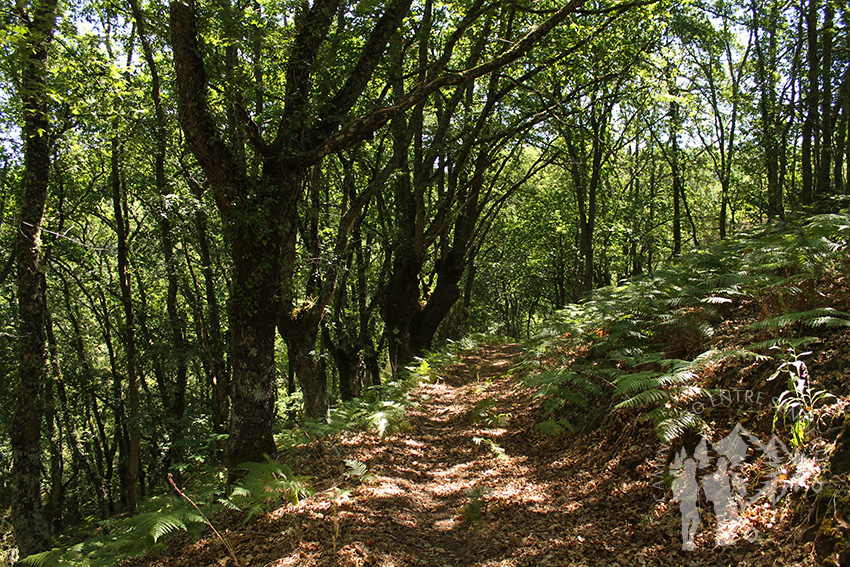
(638, 381)
(779, 342)
(628, 327)
(552, 428)
(494, 448)
(821, 317)
(43, 559)
(160, 523)
(123, 538)
(267, 485)
(673, 423)
(557, 388)
(648, 397)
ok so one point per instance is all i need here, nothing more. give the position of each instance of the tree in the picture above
(720, 70)
(259, 213)
(32, 532)
(765, 26)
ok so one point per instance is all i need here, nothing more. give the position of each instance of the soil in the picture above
(472, 482)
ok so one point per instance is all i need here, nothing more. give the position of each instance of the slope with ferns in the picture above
(561, 452)
(752, 331)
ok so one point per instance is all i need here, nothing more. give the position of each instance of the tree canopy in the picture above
(218, 219)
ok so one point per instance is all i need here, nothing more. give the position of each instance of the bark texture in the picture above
(32, 532)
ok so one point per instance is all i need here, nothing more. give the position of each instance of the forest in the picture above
(238, 235)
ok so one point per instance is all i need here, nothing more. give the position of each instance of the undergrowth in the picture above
(654, 344)
(263, 487)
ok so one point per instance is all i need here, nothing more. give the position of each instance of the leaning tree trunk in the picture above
(32, 532)
(177, 403)
(220, 377)
(424, 325)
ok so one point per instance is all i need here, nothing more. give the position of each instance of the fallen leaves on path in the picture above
(472, 483)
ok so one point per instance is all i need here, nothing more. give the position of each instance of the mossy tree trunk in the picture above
(32, 532)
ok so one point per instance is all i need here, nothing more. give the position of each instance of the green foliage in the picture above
(358, 470)
(558, 388)
(494, 448)
(472, 511)
(484, 412)
(650, 341)
(798, 402)
(118, 539)
(380, 408)
(673, 422)
(553, 428)
(265, 487)
(822, 317)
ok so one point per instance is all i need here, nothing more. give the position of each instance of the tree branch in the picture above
(196, 120)
(364, 128)
(362, 72)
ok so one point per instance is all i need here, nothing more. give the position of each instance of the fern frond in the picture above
(645, 398)
(552, 428)
(637, 381)
(825, 316)
(716, 300)
(43, 559)
(161, 525)
(829, 322)
(795, 343)
(355, 468)
(676, 424)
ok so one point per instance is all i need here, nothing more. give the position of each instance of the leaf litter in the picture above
(472, 482)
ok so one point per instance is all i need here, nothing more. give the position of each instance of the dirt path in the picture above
(472, 483)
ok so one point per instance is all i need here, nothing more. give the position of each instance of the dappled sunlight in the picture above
(451, 491)
(382, 490)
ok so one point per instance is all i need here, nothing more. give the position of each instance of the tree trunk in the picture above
(32, 532)
(842, 134)
(132, 424)
(220, 377)
(97, 480)
(364, 311)
(811, 98)
(424, 324)
(55, 508)
(768, 103)
(677, 178)
(253, 321)
(824, 184)
(308, 370)
(177, 406)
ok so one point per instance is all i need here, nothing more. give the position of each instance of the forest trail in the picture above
(472, 483)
